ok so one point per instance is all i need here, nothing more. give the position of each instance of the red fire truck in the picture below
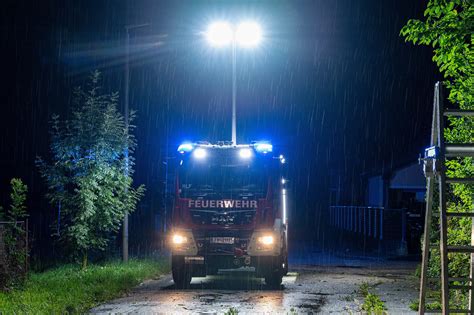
(229, 212)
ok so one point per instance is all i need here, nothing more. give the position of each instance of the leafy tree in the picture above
(89, 177)
(449, 28)
(14, 235)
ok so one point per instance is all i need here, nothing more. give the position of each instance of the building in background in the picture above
(390, 217)
(402, 187)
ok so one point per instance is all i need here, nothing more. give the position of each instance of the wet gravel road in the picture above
(328, 287)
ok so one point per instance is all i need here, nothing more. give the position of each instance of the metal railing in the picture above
(368, 221)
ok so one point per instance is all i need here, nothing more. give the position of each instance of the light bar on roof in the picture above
(263, 147)
(185, 147)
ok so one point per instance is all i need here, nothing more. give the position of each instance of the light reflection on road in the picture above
(209, 295)
(217, 294)
(311, 290)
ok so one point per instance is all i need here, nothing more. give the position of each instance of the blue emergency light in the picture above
(185, 147)
(245, 151)
(263, 147)
(432, 152)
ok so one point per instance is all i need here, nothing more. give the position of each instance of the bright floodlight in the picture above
(219, 34)
(200, 153)
(248, 34)
(245, 153)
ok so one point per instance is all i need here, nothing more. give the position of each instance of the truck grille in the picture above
(222, 218)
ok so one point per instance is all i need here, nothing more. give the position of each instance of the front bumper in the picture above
(204, 256)
(202, 266)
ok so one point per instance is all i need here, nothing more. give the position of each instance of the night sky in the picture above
(332, 85)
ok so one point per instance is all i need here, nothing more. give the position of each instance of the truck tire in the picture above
(181, 273)
(274, 279)
(211, 271)
(274, 276)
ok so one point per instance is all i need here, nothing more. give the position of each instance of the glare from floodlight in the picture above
(200, 153)
(245, 153)
(219, 34)
(248, 34)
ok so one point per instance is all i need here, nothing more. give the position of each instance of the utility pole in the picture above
(126, 116)
(234, 93)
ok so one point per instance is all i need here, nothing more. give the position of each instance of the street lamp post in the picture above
(126, 117)
(234, 93)
(247, 34)
(126, 114)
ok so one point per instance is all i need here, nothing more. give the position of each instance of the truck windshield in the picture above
(223, 180)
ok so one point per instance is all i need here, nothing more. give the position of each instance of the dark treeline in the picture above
(333, 85)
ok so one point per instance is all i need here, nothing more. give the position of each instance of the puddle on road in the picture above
(208, 298)
(313, 305)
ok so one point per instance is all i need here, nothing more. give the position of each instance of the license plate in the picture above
(222, 240)
(194, 260)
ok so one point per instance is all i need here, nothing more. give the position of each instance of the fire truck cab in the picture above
(229, 211)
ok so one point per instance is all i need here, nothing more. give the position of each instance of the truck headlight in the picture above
(266, 240)
(264, 243)
(182, 243)
(179, 239)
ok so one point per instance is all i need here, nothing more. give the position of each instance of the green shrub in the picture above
(364, 289)
(373, 304)
(232, 311)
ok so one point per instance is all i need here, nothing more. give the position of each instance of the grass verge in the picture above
(68, 289)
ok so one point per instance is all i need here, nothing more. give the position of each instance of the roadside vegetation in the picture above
(433, 297)
(89, 174)
(13, 244)
(428, 306)
(232, 311)
(89, 180)
(372, 302)
(71, 290)
(448, 28)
